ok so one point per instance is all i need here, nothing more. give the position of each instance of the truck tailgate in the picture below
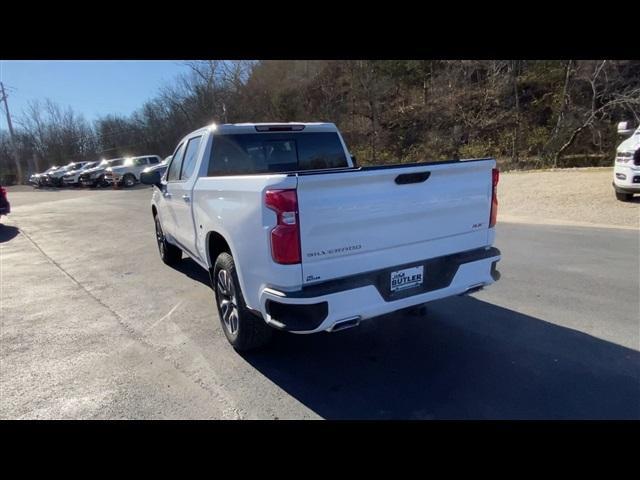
(363, 220)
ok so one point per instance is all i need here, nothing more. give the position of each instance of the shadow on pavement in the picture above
(7, 232)
(192, 270)
(138, 186)
(466, 359)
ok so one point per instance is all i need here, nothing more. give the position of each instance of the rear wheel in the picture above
(624, 197)
(244, 330)
(170, 254)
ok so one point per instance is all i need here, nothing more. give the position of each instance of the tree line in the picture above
(525, 113)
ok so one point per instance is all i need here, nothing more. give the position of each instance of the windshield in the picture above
(116, 163)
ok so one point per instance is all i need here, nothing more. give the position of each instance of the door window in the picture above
(189, 162)
(173, 173)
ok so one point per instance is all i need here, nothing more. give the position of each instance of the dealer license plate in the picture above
(407, 278)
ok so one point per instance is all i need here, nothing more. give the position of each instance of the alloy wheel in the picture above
(227, 301)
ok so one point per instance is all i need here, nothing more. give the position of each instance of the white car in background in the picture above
(626, 171)
(54, 178)
(72, 177)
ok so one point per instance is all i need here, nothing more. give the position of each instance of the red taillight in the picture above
(3, 192)
(285, 237)
(495, 175)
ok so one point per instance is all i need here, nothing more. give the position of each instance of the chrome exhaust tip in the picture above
(473, 289)
(344, 324)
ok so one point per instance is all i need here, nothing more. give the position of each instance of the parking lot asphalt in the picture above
(94, 325)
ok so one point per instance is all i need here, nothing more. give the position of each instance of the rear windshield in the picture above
(275, 152)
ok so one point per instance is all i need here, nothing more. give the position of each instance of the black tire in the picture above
(624, 197)
(244, 330)
(128, 180)
(170, 254)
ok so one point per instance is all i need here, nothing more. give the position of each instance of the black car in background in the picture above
(94, 177)
(5, 206)
(38, 179)
(161, 167)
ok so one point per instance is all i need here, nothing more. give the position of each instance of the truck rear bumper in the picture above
(324, 306)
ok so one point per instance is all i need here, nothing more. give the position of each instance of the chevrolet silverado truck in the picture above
(128, 174)
(296, 237)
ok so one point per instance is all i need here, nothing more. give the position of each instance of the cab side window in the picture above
(173, 173)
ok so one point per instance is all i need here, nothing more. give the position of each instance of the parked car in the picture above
(128, 174)
(161, 168)
(626, 171)
(72, 177)
(54, 178)
(94, 177)
(5, 206)
(295, 237)
(37, 178)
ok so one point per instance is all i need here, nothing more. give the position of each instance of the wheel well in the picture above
(216, 244)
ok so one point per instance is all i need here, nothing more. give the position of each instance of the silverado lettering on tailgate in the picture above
(333, 251)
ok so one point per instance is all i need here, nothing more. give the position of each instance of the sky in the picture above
(91, 88)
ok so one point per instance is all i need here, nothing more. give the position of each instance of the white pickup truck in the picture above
(296, 237)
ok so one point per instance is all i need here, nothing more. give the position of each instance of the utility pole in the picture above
(11, 134)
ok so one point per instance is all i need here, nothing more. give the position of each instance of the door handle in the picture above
(186, 198)
(417, 177)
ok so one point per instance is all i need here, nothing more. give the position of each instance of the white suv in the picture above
(626, 171)
(128, 174)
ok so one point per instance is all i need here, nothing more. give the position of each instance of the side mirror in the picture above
(151, 178)
(354, 161)
(624, 129)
